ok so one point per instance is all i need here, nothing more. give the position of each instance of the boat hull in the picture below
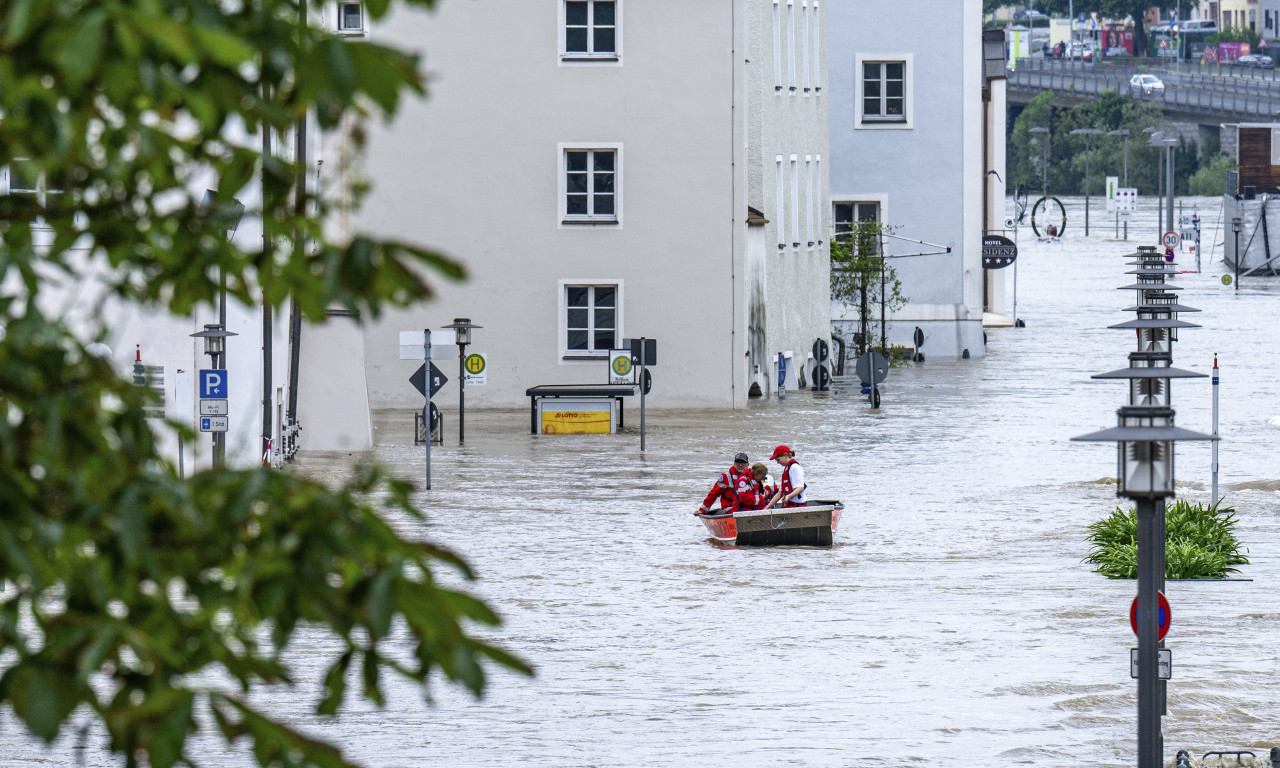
(813, 525)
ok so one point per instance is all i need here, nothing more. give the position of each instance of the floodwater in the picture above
(953, 622)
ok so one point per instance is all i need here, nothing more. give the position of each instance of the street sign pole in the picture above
(462, 393)
(1150, 740)
(426, 408)
(643, 361)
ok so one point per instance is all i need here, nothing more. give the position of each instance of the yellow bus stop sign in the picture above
(474, 363)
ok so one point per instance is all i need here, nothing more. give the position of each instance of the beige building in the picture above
(595, 165)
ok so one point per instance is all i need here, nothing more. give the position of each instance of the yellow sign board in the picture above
(576, 423)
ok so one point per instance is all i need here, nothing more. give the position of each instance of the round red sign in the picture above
(1163, 616)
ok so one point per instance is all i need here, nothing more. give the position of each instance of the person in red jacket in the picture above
(791, 490)
(753, 492)
(726, 488)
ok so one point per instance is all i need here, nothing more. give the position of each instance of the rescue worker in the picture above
(753, 491)
(791, 490)
(726, 488)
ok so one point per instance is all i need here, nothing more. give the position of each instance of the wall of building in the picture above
(474, 172)
(788, 161)
(927, 173)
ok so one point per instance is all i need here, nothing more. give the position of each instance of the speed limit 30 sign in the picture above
(1170, 239)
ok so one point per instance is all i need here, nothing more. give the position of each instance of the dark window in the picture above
(884, 90)
(590, 27)
(591, 318)
(590, 183)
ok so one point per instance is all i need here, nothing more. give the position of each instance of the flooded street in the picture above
(953, 622)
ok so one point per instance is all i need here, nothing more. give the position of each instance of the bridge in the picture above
(1208, 96)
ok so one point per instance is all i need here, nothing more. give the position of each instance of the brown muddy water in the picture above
(953, 622)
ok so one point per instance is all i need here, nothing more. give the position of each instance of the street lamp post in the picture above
(1044, 158)
(1235, 230)
(462, 328)
(1088, 134)
(1144, 437)
(1124, 132)
(215, 346)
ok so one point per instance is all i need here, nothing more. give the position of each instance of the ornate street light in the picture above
(462, 328)
(1144, 435)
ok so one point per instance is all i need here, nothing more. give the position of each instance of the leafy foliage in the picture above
(862, 277)
(1211, 179)
(129, 591)
(1066, 152)
(1200, 543)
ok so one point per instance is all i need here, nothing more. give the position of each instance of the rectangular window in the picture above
(817, 47)
(808, 199)
(855, 222)
(884, 91)
(817, 195)
(777, 46)
(795, 202)
(590, 185)
(591, 314)
(791, 44)
(350, 17)
(590, 29)
(781, 204)
(804, 42)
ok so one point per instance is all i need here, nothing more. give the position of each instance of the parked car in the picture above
(1147, 84)
(1255, 60)
(1078, 50)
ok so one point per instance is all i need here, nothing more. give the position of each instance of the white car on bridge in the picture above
(1147, 84)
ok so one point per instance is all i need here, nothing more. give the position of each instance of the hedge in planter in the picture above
(1200, 543)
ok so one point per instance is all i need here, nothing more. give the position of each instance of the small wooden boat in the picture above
(812, 525)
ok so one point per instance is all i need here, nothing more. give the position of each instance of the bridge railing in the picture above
(1203, 94)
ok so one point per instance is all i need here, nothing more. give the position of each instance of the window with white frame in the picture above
(804, 38)
(350, 17)
(590, 184)
(777, 47)
(791, 45)
(856, 222)
(884, 92)
(780, 208)
(817, 49)
(591, 318)
(795, 201)
(590, 30)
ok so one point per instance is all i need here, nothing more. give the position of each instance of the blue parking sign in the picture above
(213, 383)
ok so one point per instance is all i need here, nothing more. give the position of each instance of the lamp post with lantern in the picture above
(1124, 132)
(1088, 134)
(1044, 158)
(1145, 435)
(462, 328)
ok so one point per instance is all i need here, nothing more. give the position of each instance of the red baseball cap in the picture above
(779, 451)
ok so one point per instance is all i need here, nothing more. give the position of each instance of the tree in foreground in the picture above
(132, 595)
(862, 278)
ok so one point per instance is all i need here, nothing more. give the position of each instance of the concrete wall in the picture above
(927, 172)
(788, 124)
(474, 172)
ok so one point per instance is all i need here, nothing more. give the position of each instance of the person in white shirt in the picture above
(791, 490)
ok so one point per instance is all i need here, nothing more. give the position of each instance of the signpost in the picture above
(213, 401)
(621, 369)
(998, 251)
(644, 352)
(1164, 665)
(872, 368)
(1163, 616)
(475, 365)
(419, 380)
(1170, 239)
(821, 376)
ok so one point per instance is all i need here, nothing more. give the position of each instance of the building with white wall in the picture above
(594, 169)
(912, 140)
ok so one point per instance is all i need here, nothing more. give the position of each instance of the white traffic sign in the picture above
(1126, 201)
(213, 384)
(441, 345)
(1164, 664)
(621, 369)
(213, 408)
(1170, 239)
(1113, 183)
(475, 367)
(213, 423)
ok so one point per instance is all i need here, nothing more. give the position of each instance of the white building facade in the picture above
(592, 164)
(910, 148)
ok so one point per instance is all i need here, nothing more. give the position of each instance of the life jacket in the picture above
(788, 488)
(749, 493)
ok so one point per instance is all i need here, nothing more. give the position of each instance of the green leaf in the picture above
(380, 602)
(223, 47)
(335, 685)
(83, 50)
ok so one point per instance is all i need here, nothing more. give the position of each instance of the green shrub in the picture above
(1211, 179)
(1200, 543)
